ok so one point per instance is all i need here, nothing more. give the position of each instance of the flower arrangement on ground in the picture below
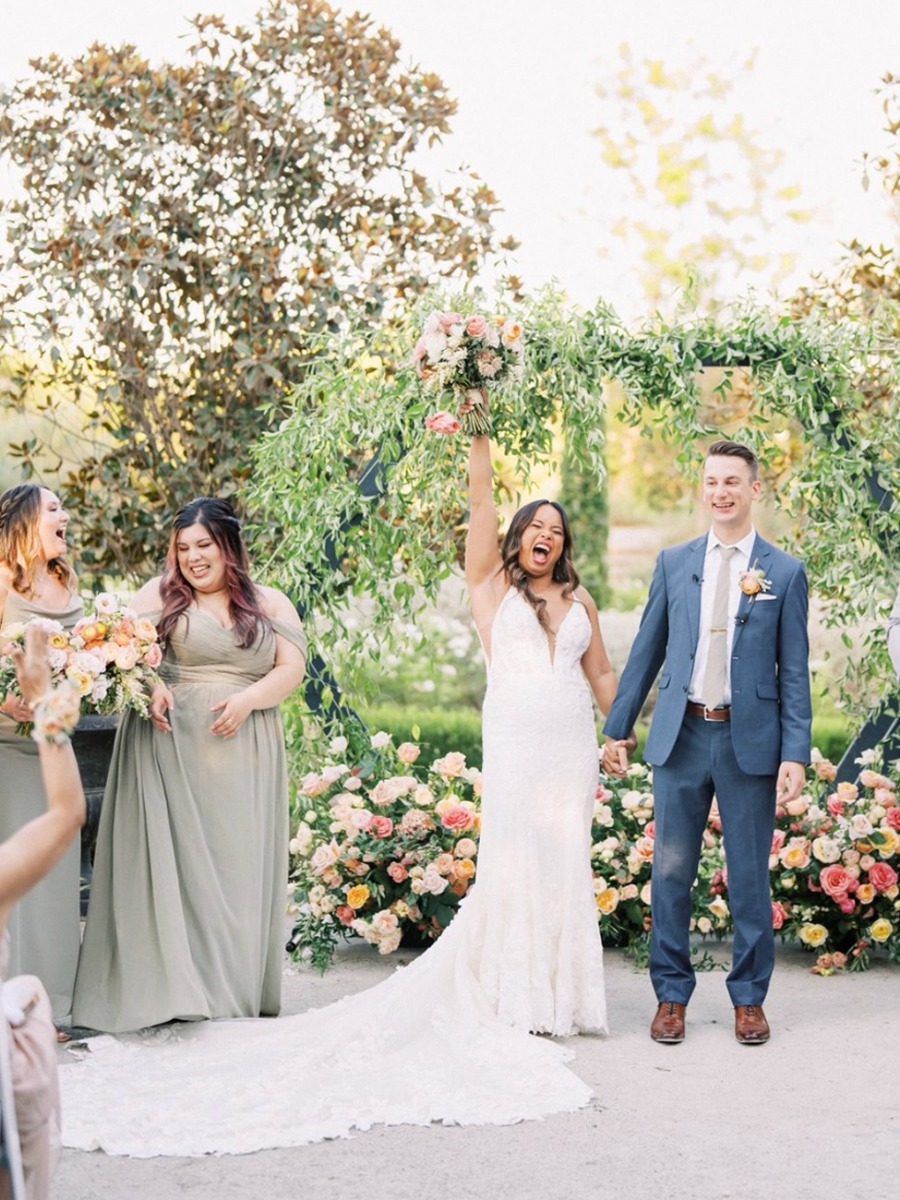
(380, 855)
(461, 356)
(109, 658)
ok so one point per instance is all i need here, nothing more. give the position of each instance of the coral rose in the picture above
(882, 876)
(458, 818)
(381, 827)
(779, 914)
(344, 914)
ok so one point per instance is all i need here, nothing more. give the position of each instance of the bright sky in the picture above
(525, 77)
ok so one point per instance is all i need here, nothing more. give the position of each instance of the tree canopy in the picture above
(183, 232)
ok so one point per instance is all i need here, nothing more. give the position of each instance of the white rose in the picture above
(603, 815)
(826, 850)
(353, 784)
(631, 800)
(338, 745)
(380, 740)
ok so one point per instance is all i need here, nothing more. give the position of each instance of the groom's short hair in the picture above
(729, 449)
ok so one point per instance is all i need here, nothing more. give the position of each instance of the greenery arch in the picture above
(830, 442)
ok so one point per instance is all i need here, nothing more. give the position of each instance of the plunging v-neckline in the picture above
(203, 612)
(552, 635)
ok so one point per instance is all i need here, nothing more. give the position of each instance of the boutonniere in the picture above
(754, 581)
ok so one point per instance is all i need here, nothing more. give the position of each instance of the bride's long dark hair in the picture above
(218, 518)
(563, 571)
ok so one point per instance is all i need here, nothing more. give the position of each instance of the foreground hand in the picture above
(161, 701)
(615, 756)
(32, 672)
(233, 712)
(791, 778)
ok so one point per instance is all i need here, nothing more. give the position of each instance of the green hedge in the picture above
(441, 730)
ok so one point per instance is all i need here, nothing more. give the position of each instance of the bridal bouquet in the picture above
(110, 658)
(461, 356)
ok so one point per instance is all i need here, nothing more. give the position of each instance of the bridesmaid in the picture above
(186, 917)
(37, 581)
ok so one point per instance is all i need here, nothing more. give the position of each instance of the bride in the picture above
(450, 1037)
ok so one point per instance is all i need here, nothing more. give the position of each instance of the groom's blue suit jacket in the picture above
(770, 701)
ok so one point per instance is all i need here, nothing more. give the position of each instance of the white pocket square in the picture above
(765, 596)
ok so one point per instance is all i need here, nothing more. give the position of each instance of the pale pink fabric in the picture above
(36, 1088)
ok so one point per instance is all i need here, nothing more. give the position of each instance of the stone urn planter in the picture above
(93, 745)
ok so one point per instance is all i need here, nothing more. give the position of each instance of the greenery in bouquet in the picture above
(462, 356)
(109, 658)
(380, 852)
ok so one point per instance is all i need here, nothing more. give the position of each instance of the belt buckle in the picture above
(708, 719)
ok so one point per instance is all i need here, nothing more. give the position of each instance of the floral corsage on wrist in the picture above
(56, 715)
(754, 581)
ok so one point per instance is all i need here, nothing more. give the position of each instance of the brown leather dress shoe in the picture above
(668, 1024)
(750, 1025)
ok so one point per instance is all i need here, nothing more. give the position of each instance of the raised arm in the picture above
(482, 553)
(28, 855)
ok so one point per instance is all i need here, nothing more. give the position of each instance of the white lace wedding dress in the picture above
(445, 1039)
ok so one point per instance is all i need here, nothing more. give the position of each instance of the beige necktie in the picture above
(714, 676)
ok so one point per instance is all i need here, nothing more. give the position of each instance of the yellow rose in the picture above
(881, 930)
(813, 935)
(608, 900)
(888, 841)
(357, 896)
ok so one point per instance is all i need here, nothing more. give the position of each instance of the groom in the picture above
(726, 621)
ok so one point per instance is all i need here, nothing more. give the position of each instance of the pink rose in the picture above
(458, 819)
(779, 915)
(475, 326)
(153, 656)
(383, 793)
(447, 320)
(892, 818)
(397, 872)
(650, 829)
(381, 827)
(882, 876)
(778, 837)
(408, 752)
(442, 422)
(835, 806)
(836, 882)
(846, 904)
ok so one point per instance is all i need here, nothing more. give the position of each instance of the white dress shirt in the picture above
(740, 562)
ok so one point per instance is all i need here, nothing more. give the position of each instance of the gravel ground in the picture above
(814, 1114)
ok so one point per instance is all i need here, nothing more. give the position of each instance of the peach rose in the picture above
(847, 791)
(882, 876)
(451, 765)
(608, 901)
(465, 868)
(442, 422)
(865, 893)
(465, 848)
(475, 326)
(795, 855)
(408, 752)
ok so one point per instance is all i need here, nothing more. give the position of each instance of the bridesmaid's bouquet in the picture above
(110, 658)
(462, 356)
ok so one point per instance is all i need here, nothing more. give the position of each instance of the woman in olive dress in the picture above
(36, 580)
(186, 917)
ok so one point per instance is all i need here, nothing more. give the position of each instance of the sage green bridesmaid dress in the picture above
(45, 926)
(186, 916)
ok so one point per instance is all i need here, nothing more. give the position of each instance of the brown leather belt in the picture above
(708, 714)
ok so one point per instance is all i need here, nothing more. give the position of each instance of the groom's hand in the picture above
(615, 756)
(791, 777)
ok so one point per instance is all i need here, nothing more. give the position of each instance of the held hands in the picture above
(233, 712)
(615, 755)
